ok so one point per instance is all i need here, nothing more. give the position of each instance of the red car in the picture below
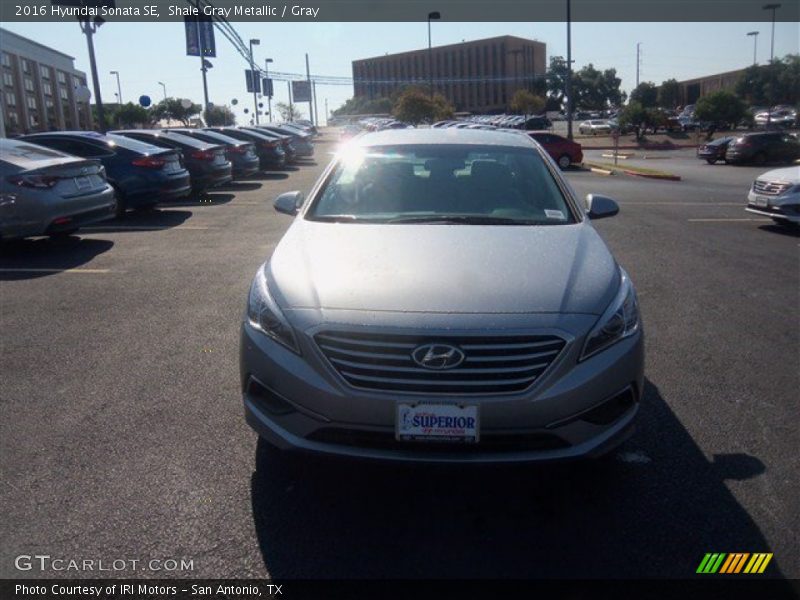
(563, 151)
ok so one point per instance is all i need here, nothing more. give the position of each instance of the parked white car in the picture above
(594, 127)
(776, 194)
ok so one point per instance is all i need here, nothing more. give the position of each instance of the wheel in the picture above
(564, 161)
(711, 161)
(760, 158)
(119, 209)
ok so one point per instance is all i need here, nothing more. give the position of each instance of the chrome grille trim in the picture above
(770, 188)
(494, 364)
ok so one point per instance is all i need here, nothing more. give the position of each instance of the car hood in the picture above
(443, 268)
(787, 174)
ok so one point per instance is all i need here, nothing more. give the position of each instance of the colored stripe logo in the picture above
(734, 562)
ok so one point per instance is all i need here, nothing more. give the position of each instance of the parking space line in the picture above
(146, 227)
(39, 270)
(726, 220)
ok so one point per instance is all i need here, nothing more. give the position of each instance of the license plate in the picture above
(172, 166)
(83, 183)
(219, 159)
(437, 422)
(761, 201)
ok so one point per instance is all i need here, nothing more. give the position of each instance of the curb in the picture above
(600, 171)
(645, 147)
(664, 177)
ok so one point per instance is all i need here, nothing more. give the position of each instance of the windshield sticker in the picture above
(554, 214)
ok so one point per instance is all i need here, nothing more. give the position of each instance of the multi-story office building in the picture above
(692, 89)
(480, 76)
(39, 88)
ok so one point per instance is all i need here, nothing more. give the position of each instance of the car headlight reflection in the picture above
(621, 320)
(264, 314)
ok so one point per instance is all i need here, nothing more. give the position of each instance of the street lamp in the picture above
(754, 35)
(569, 70)
(432, 16)
(119, 89)
(89, 27)
(163, 87)
(269, 91)
(254, 42)
(773, 8)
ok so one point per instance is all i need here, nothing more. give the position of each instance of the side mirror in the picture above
(288, 202)
(600, 207)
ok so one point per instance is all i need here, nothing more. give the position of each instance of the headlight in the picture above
(265, 315)
(620, 320)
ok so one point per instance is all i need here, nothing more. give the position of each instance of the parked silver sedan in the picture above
(442, 296)
(46, 192)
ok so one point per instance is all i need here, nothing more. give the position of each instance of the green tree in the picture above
(722, 107)
(527, 103)
(414, 105)
(776, 83)
(639, 118)
(365, 106)
(556, 78)
(288, 112)
(596, 90)
(172, 109)
(219, 116)
(645, 94)
(669, 94)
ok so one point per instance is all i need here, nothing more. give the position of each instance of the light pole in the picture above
(89, 28)
(569, 70)
(268, 91)
(773, 8)
(119, 89)
(432, 16)
(163, 87)
(754, 35)
(253, 78)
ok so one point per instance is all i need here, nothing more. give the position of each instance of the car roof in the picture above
(448, 135)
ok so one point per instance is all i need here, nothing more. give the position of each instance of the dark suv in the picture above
(760, 148)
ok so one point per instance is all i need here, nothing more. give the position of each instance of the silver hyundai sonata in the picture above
(442, 296)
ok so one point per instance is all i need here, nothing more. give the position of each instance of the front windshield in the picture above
(462, 184)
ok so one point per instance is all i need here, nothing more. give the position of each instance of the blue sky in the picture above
(145, 53)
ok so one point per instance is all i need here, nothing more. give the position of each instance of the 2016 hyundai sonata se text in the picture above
(442, 296)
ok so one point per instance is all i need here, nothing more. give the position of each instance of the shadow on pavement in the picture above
(654, 508)
(207, 199)
(790, 231)
(33, 258)
(149, 220)
(240, 185)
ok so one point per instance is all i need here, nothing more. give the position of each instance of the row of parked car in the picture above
(55, 182)
(757, 148)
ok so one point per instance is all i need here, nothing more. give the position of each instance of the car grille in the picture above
(492, 364)
(770, 188)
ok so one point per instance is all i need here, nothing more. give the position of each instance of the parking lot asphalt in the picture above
(123, 433)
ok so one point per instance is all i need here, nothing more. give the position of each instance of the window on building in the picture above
(6, 60)
(11, 99)
(62, 77)
(28, 84)
(44, 72)
(33, 119)
(13, 118)
(26, 66)
(31, 102)
(8, 79)
(47, 89)
(63, 93)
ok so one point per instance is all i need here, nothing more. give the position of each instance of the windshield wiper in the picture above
(335, 218)
(465, 220)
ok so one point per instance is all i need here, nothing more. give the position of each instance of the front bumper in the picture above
(784, 208)
(299, 403)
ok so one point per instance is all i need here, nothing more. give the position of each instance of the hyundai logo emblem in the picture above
(437, 356)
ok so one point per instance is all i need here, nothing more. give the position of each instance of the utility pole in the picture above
(164, 89)
(638, 45)
(119, 89)
(310, 98)
(269, 90)
(291, 107)
(314, 95)
(754, 35)
(773, 8)
(569, 70)
(89, 28)
(253, 79)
